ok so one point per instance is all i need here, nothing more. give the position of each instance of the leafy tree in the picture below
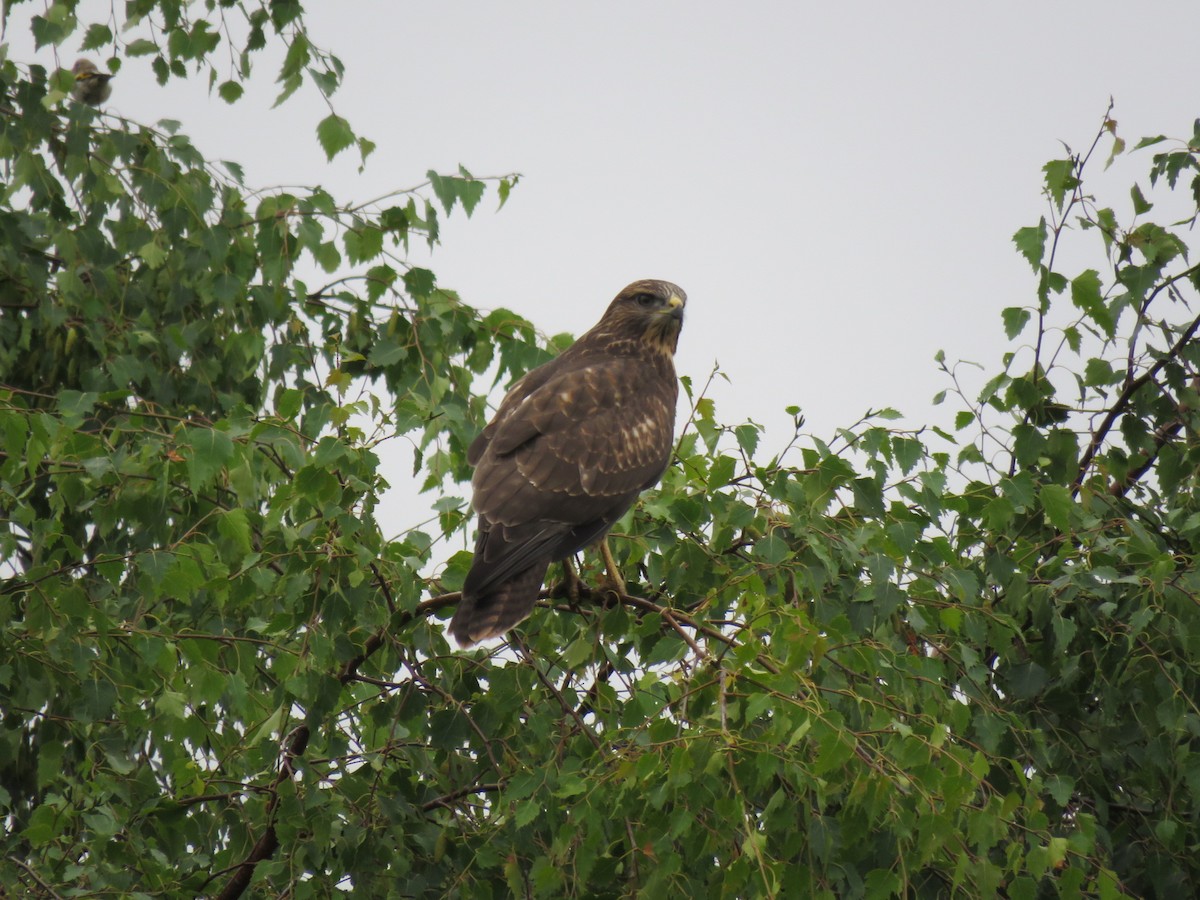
(892, 663)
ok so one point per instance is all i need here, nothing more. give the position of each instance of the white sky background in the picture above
(835, 185)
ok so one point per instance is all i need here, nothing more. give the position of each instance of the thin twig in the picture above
(20, 863)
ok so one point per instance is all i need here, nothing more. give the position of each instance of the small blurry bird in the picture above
(91, 85)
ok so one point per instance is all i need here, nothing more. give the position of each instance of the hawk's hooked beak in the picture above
(675, 307)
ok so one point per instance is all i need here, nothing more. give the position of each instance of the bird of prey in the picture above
(570, 448)
(91, 85)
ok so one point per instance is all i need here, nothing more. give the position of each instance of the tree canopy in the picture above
(893, 661)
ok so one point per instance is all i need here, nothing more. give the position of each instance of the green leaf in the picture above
(747, 438)
(1061, 788)
(721, 472)
(1099, 372)
(334, 134)
(327, 256)
(504, 189)
(153, 254)
(470, 190)
(209, 450)
(235, 526)
(1140, 204)
(1156, 244)
(882, 884)
(1031, 241)
(1057, 504)
(1085, 294)
(1026, 680)
(363, 244)
(835, 751)
(386, 352)
(288, 402)
(140, 47)
(1060, 179)
(230, 91)
(909, 452)
(772, 549)
(1015, 320)
(75, 406)
(443, 189)
(172, 704)
(527, 811)
(365, 148)
(1118, 147)
(419, 282)
(96, 36)
(1073, 338)
(45, 824)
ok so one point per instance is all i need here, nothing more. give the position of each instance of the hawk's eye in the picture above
(645, 299)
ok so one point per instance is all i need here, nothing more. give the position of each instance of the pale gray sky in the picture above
(835, 185)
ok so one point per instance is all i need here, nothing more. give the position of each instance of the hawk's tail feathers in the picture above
(501, 607)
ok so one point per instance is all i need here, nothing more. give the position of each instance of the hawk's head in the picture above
(648, 311)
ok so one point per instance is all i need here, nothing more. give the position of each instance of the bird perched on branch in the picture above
(91, 85)
(571, 447)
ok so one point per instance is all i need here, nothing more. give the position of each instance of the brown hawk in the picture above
(571, 447)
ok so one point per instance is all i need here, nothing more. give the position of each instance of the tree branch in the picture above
(297, 741)
(446, 799)
(1122, 402)
(21, 864)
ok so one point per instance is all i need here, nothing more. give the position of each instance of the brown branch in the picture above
(562, 701)
(384, 589)
(700, 652)
(419, 678)
(228, 795)
(587, 706)
(20, 863)
(446, 799)
(1161, 438)
(1169, 286)
(297, 741)
(294, 746)
(374, 642)
(378, 682)
(1126, 395)
(650, 606)
(264, 848)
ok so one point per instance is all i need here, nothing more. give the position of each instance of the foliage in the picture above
(894, 662)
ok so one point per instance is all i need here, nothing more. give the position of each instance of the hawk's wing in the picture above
(582, 441)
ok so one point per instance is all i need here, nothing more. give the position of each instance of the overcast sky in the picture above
(835, 185)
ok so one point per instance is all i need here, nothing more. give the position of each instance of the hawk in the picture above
(572, 445)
